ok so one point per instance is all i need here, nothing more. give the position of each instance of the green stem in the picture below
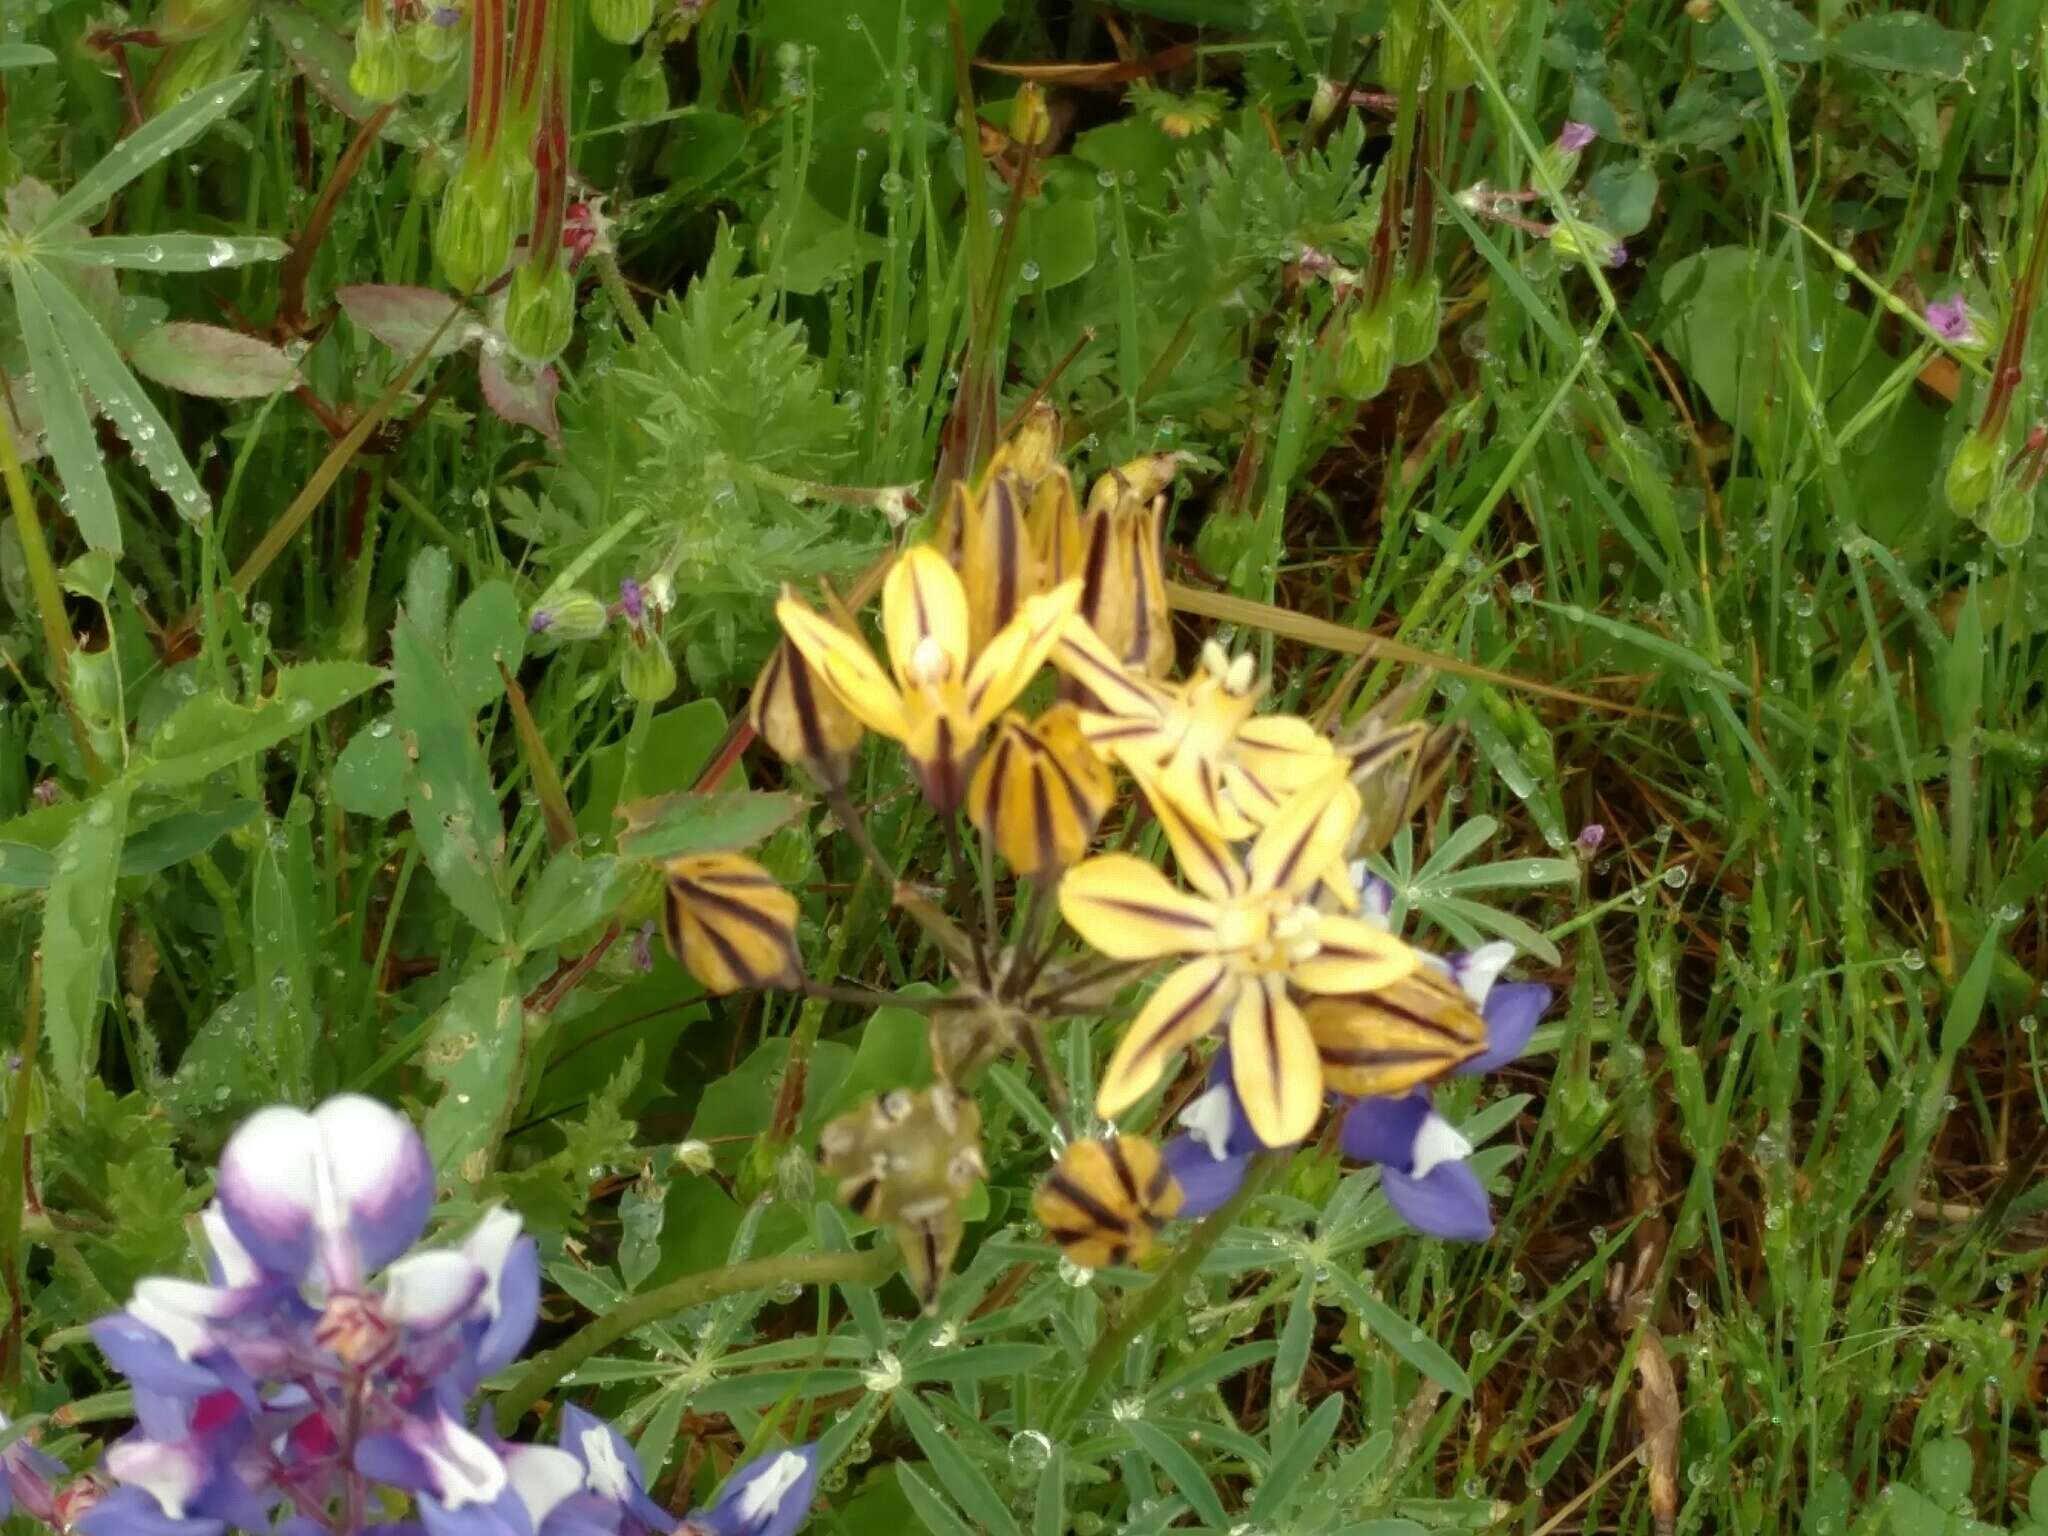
(614, 283)
(1166, 1289)
(545, 1372)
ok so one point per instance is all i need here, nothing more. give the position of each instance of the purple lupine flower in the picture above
(632, 599)
(1575, 136)
(769, 1496)
(1591, 836)
(1954, 320)
(1210, 1157)
(1375, 896)
(28, 1479)
(613, 1488)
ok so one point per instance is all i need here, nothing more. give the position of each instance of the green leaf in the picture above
(448, 794)
(369, 773)
(170, 840)
(1787, 35)
(165, 253)
(24, 56)
(895, 1051)
(1903, 42)
(25, 867)
(121, 397)
(283, 936)
(1404, 1338)
(212, 361)
(163, 135)
(489, 631)
(1181, 1469)
(1911, 1513)
(669, 826)
(67, 429)
(1622, 197)
(1295, 1457)
(475, 1052)
(210, 733)
(937, 1515)
(78, 932)
(572, 895)
(678, 746)
(962, 1479)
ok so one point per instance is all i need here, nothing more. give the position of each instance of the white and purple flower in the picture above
(769, 1496)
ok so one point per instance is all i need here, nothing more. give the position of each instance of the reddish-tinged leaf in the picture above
(405, 319)
(211, 360)
(522, 398)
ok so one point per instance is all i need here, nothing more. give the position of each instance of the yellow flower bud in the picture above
(1030, 119)
(1039, 792)
(730, 924)
(800, 719)
(1106, 1200)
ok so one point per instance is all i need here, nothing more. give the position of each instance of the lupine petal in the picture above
(611, 1468)
(511, 1299)
(846, 667)
(1382, 1130)
(503, 1516)
(1016, 652)
(173, 1474)
(924, 619)
(132, 1512)
(1447, 1202)
(431, 1289)
(769, 1496)
(1512, 1011)
(227, 1260)
(1274, 1064)
(381, 1173)
(141, 1352)
(542, 1476)
(1306, 836)
(1476, 970)
(1205, 860)
(436, 1456)
(1353, 956)
(1206, 1181)
(1190, 1003)
(1126, 909)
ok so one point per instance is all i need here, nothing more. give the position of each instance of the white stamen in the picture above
(764, 1495)
(1208, 1120)
(607, 1476)
(928, 662)
(1437, 1141)
(1215, 660)
(1239, 678)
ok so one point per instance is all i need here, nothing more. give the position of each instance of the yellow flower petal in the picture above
(1128, 910)
(844, 665)
(1285, 752)
(730, 924)
(1353, 957)
(1273, 1063)
(1039, 792)
(924, 619)
(997, 564)
(1309, 831)
(1118, 695)
(1388, 1040)
(801, 719)
(1206, 861)
(1196, 786)
(1190, 1003)
(1106, 1200)
(938, 745)
(1015, 653)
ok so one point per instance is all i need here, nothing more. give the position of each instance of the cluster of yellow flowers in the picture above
(1263, 814)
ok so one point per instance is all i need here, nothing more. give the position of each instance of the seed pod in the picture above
(1973, 473)
(730, 924)
(473, 238)
(575, 615)
(1039, 792)
(1030, 119)
(1106, 1200)
(646, 670)
(905, 1160)
(377, 73)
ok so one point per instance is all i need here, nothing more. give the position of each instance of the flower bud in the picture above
(1973, 473)
(1039, 792)
(540, 313)
(1591, 241)
(1106, 1200)
(439, 36)
(574, 615)
(473, 239)
(378, 72)
(643, 88)
(1225, 538)
(730, 924)
(1030, 119)
(1367, 361)
(647, 671)
(800, 719)
(424, 73)
(1418, 321)
(2009, 518)
(621, 21)
(1324, 103)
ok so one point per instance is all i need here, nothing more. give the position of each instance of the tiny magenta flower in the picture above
(1954, 320)
(1591, 836)
(1575, 136)
(632, 599)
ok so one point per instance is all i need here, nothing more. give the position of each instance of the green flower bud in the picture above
(646, 669)
(378, 73)
(424, 74)
(473, 239)
(621, 21)
(643, 88)
(574, 615)
(1368, 357)
(1973, 473)
(1225, 538)
(540, 313)
(1418, 321)
(2010, 517)
(1589, 240)
(439, 37)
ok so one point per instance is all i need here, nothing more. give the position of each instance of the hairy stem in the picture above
(545, 1372)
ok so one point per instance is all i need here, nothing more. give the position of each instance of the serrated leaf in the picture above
(121, 397)
(406, 319)
(163, 135)
(77, 933)
(212, 361)
(165, 253)
(448, 793)
(669, 826)
(489, 631)
(210, 733)
(572, 895)
(1903, 42)
(475, 1051)
(67, 428)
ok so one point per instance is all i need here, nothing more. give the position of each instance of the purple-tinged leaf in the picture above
(211, 360)
(404, 319)
(522, 398)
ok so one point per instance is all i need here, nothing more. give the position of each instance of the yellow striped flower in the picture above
(1252, 939)
(1105, 1201)
(730, 924)
(1197, 742)
(943, 693)
(800, 719)
(1113, 545)
(1039, 792)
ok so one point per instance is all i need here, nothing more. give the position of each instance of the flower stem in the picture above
(869, 1267)
(1167, 1288)
(613, 281)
